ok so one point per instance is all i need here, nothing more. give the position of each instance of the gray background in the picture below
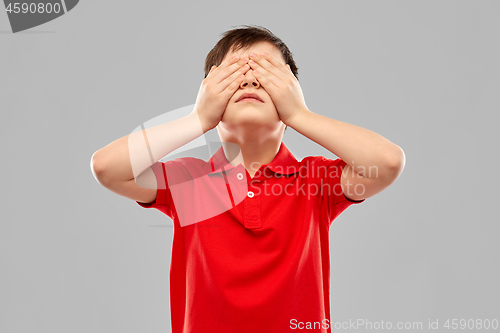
(76, 257)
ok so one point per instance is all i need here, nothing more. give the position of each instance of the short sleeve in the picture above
(335, 202)
(163, 201)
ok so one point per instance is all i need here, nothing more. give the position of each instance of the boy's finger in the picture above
(228, 67)
(226, 63)
(231, 61)
(211, 70)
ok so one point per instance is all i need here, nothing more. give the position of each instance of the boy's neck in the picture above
(250, 144)
(251, 154)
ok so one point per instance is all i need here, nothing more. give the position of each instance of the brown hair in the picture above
(244, 38)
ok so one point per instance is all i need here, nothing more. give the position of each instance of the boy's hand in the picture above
(217, 89)
(280, 83)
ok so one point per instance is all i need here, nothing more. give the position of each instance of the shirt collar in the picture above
(283, 163)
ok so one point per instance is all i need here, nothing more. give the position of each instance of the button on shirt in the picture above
(250, 254)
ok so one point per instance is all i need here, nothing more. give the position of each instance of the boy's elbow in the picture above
(97, 167)
(396, 161)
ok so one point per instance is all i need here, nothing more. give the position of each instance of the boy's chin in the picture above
(246, 117)
(248, 128)
(249, 122)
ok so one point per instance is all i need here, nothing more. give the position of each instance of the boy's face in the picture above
(256, 116)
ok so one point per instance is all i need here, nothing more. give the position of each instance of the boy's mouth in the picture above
(250, 100)
(249, 97)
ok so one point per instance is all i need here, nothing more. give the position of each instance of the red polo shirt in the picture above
(250, 254)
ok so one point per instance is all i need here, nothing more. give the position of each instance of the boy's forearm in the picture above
(358, 147)
(129, 156)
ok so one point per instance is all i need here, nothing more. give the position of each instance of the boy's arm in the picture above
(373, 162)
(123, 165)
(361, 149)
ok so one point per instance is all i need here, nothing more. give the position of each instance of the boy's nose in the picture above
(249, 79)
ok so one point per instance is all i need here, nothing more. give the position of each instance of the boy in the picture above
(250, 251)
